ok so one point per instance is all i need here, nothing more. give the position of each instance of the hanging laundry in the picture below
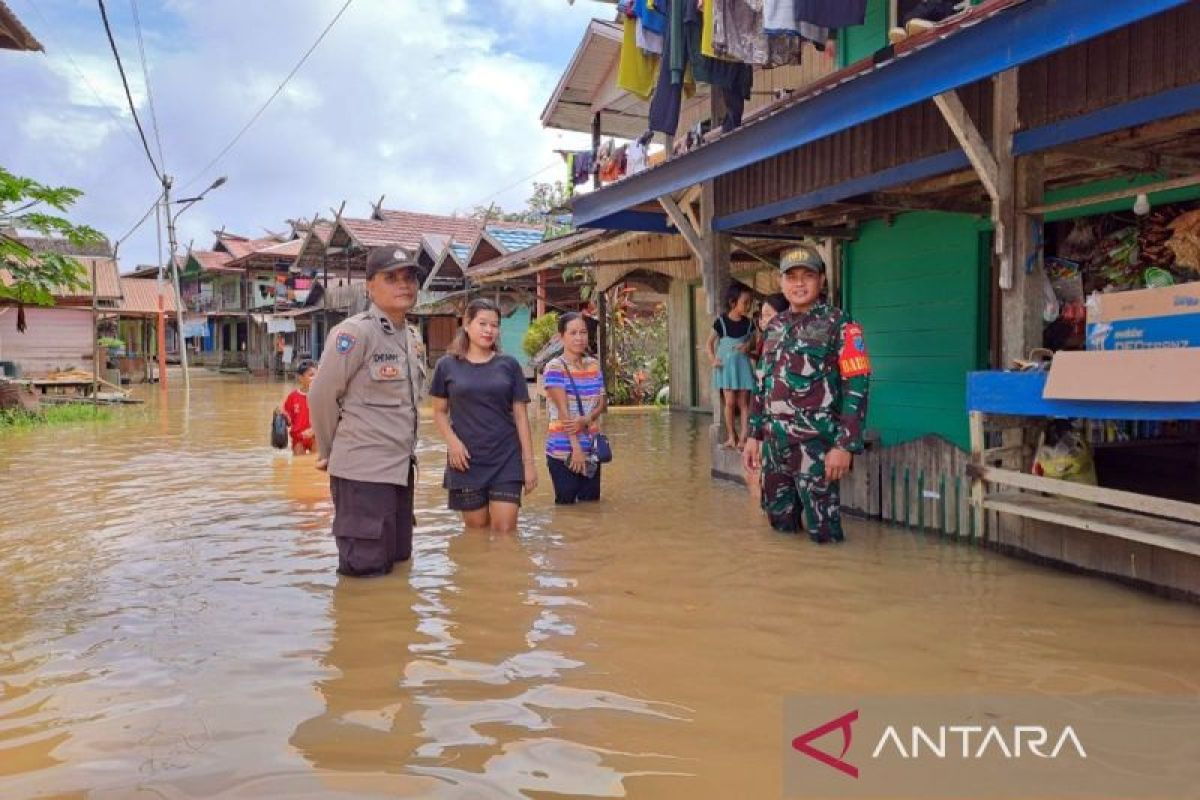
(667, 99)
(651, 15)
(648, 41)
(814, 33)
(636, 69)
(583, 166)
(635, 157)
(785, 16)
(738, 34)
(831, 13)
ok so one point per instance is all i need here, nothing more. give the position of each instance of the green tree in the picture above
(35, 275)
(547, 198)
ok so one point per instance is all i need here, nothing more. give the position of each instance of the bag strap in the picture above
(724, 328)
(574, 388)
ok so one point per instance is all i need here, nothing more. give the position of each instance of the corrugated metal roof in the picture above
(108, 280)
(212, 261)
(461, 250)
(405, 228)
(546, 249)
(141, 297)
(514, 239)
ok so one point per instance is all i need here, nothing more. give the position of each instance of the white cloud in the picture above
(435, 104)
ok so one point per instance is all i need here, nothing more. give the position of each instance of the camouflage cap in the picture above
(802, 256)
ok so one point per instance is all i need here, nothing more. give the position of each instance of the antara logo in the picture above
(969, 742)
(803, 743)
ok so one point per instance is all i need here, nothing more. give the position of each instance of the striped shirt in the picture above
(590, 382)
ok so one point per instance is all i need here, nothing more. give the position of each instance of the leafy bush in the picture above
(541, 331)
(638, 361)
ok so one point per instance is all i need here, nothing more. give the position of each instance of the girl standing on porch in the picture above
(480, 403)
(575, 400)
(728, 348)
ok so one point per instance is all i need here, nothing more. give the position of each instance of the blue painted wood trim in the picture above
(1171, 103)
(645, 221)
(1020, 394)
(1014, 37)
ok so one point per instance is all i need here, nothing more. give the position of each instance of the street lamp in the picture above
(186, 203)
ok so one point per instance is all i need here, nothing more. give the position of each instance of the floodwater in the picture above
(171, 625)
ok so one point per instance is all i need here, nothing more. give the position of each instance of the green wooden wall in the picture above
(919, 289)
(512, 333)
(861, 41)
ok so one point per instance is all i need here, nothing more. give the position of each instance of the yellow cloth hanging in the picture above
(706, 36)
(637, 71)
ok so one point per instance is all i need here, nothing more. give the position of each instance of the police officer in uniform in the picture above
(363, 404)
(806, 420)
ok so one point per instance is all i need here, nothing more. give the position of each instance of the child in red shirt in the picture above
(295, 408)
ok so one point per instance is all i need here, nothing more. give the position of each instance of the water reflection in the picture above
(171, 625)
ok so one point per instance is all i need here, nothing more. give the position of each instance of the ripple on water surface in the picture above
(170, 624)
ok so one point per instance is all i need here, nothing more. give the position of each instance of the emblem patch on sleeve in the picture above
(345, 343)
(853, 360)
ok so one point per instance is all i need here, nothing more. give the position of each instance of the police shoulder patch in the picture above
(345, 343)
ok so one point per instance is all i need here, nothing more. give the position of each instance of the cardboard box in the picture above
(1145, 319)
(1158, 375)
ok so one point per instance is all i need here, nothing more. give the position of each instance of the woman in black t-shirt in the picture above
(480, 403)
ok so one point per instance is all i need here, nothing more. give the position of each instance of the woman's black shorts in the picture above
(475, 499)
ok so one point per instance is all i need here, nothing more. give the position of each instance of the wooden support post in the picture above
(1004, 209)
(977, 446)
(693, 236)
(971, 140)
(1021, 305)
(595, 150)
(602, 336)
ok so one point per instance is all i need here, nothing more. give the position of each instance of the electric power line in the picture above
(270, 99)
(134, 228)
(517, 183)
(83, 76)
(137, 24)
(125, 82)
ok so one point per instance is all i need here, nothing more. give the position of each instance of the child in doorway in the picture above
(729, 347)
(295, 408)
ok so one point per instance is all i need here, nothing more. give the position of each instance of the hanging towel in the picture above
(636, 69)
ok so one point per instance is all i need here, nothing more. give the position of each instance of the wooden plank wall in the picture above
(55, 338)
(890, 141)
(680, 344)
(919, 485)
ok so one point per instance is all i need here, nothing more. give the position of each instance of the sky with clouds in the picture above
(434, 103)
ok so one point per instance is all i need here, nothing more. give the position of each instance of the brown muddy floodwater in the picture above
(171, 624)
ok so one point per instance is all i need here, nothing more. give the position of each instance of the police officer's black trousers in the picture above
(373, 525)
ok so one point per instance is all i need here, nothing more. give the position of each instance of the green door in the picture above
(919, 289)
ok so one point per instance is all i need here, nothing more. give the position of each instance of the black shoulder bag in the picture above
(601, 448)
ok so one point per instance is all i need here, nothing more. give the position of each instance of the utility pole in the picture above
(171, 245)
(162, 314)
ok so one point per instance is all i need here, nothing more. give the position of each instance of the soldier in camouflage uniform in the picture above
(807, 416)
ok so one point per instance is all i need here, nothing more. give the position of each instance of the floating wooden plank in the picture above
(1145, 504)
(1166, 534)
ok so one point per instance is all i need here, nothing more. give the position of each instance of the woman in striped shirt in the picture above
(575, 392)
